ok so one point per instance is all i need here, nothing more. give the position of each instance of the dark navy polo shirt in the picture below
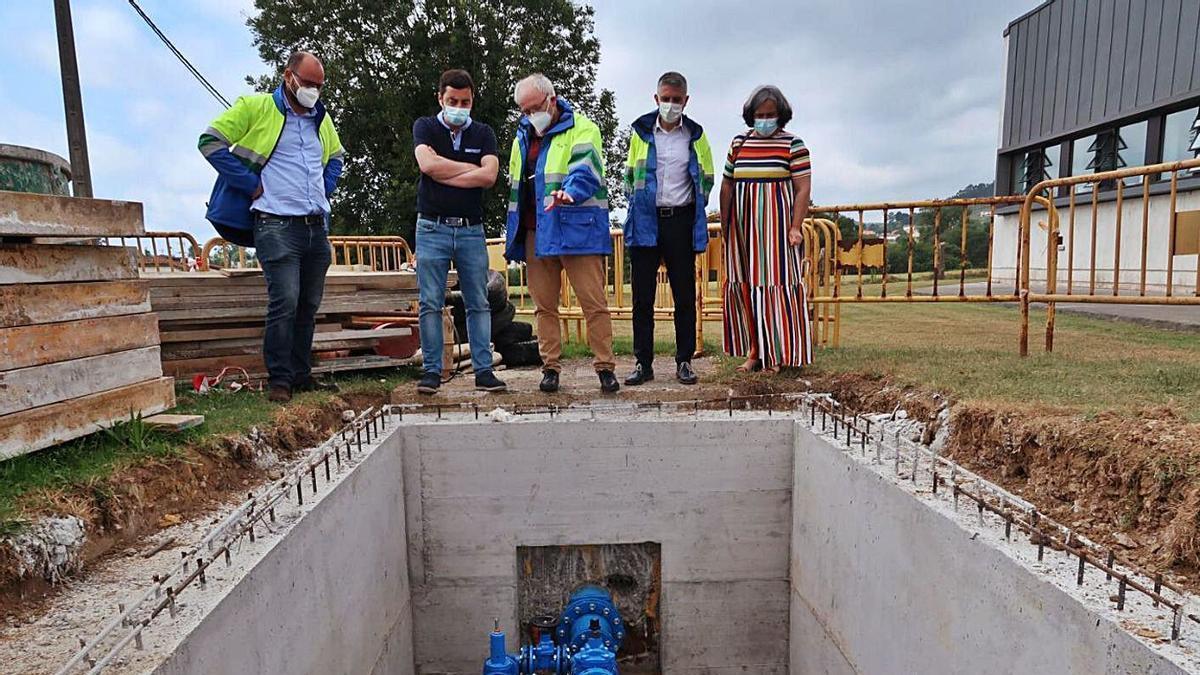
(475, 141)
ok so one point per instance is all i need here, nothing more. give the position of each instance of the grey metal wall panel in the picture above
(1164, 69)
(1053, 43)
(1137, 42)
(1070, 41)
(1078, 64)
(1152, 41)
(1185, 55)
(1118, 30)
(1091, 46)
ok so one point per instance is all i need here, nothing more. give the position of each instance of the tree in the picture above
(382, 61)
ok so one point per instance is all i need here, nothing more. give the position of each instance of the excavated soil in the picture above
(1129, 483)
(146, 497)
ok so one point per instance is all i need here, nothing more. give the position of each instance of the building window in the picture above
(1080, 157)
(1032, 167)
(1180, 138)
(1133, 136)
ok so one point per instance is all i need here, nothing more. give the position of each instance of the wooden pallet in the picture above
(211, 320)
(79, 348)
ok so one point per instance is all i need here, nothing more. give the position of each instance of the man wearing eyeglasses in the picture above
(278, 159)
(558, 221)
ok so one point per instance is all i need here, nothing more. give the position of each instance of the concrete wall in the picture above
(1184, 270)
(883, 583)
(715, 494)
(330, 597)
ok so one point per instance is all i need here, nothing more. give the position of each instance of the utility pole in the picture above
(81, 171)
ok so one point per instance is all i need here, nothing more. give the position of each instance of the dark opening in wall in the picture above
(632, 573)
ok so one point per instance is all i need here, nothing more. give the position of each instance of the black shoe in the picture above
(685, 374)
(430, 381)
(487, 381)
(608, 381)
(549, 381)
(316, 385)
(279, 394)
(640, 375)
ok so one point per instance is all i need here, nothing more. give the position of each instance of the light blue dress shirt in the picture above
(293, 179)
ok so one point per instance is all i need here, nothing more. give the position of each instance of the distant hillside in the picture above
(976, 190)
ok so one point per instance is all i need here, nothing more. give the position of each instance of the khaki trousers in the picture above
(586, 274)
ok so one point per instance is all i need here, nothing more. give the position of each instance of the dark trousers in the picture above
(675, 250)
(294, 255)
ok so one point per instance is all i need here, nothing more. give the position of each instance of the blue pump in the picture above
(588, 635)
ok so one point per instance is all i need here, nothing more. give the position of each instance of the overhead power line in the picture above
(179, 55)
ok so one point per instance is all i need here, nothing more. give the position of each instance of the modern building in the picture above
(1097, 85)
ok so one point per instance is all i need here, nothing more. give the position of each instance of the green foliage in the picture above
(382, 62)
(132, 434)
(930, 232)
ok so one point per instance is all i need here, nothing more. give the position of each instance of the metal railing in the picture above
(851, 256)
(1157, 234)
(162, 252)
(376, 253)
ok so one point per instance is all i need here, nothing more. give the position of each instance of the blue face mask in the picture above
(456, 117)
(766, 127)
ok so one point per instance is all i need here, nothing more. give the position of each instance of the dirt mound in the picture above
(1130, 483)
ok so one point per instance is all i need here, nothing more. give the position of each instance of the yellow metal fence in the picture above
(856, 269)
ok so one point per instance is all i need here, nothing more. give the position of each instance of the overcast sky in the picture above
(896, 100)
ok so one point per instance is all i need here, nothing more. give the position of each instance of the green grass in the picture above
(90, 459)
(970, 351)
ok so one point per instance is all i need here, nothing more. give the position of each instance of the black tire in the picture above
(521, 354)
(515, 332)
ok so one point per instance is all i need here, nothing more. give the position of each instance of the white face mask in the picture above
(540, 121)
(670, 112)
(307, 96)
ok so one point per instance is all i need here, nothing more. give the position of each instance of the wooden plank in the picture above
(173, 332)
(36, 386)
(40, 264)
(172, 423)
(32, 215)
(185, 369)
(24, 305)
(328, 306)
(213, 280)
(344, 339)
(49, 425)
(52, 342)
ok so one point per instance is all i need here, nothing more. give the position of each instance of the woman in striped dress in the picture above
(764, 201)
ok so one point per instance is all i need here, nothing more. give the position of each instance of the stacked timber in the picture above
(79, 348)
(212, 320)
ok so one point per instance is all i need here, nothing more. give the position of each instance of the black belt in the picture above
(450, 221)
(311, 219)
(672, 211)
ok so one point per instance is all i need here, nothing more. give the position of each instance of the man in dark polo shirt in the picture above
(458, 160)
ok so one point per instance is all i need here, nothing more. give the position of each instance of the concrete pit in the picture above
(735, 542)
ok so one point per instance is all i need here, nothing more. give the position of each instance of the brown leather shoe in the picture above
(279, 394)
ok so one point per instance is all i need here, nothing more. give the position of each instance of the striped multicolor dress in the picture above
(765, 298)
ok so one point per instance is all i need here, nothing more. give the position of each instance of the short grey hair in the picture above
(538, 81)
(673, 79)
(762, 94)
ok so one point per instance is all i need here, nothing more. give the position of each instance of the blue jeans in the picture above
(437, 246)
(294, 258)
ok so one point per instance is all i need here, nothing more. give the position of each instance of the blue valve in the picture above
(585, 641)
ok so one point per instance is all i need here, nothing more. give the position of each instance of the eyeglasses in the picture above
(307, 83)
(536, 108)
